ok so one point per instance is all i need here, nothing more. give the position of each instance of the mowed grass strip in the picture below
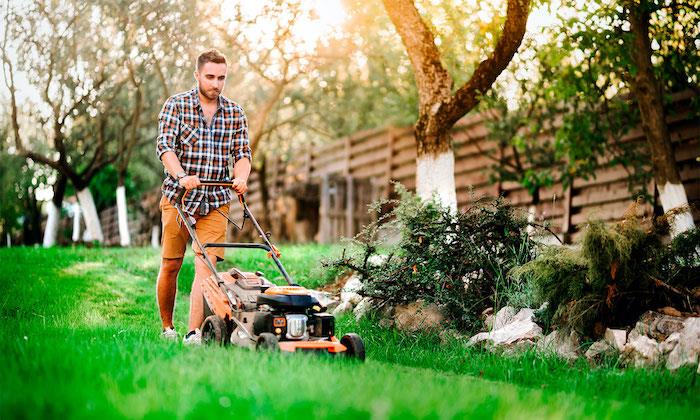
(81, 338)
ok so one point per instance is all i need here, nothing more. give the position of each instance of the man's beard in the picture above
(211, 95)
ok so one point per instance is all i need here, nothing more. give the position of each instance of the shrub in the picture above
(616, 274)
(459, 261)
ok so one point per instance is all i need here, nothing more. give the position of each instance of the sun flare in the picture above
(319, 20)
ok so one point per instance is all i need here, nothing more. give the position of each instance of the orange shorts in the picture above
(209, 228)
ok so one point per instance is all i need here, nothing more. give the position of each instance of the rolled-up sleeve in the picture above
(241, 143)
(168, 128)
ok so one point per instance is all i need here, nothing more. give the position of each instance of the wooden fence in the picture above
(353, 171)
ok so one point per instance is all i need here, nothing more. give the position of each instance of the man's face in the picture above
(210, 79)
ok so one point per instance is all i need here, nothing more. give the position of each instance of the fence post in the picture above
(324, 211)
(349, 207)
(566, 222)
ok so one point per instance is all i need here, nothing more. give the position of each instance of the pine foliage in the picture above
(617, 273)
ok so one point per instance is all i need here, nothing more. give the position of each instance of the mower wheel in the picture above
(267, 342)
(355, 346)
(214, 331)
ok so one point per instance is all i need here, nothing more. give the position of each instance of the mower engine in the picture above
(284, 317)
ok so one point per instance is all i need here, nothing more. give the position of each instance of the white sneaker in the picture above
(170, 334)
(193, 339)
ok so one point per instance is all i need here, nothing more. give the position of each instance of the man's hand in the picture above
(190, 182)
(240, 185)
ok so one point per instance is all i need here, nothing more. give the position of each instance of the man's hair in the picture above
(210, 56)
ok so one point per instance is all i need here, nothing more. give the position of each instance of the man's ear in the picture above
(196, 75)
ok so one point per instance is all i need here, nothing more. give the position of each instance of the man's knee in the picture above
(200, 265)
(171, 265)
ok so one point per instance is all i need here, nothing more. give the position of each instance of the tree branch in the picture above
(432, 79)
(467, 96)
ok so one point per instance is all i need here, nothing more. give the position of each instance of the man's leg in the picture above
(201, 272)
(173, 241)
(210, 228)
(166, 289)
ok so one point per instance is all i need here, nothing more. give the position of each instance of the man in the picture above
(199, 133)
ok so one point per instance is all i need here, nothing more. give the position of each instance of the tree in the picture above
(96, 84)
(364, 82)
(648, 93)
(72, 75)
(274, 57)
(600, 76)
(558, 124)
(440, 108)
(20, 213)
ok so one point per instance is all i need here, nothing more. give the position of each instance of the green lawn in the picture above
(80, 338)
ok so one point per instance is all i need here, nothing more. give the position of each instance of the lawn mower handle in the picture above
(273, 252)
(182, 193)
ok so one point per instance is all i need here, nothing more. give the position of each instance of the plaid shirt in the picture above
(203, 150)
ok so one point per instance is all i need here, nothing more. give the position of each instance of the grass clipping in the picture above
(618, 272)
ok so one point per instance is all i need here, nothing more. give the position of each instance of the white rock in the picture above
(525, 314)
(687, 350)
(670, 343)
(350, 292)
(503, 316)
(342, 308)
(354, 284)
(362, 308)
(612, 343)
(561, 344)
(616, 338)
(510, 334)
(658, 326)
(351, 297)
(377, 260)
(599, 350)
(641, 351)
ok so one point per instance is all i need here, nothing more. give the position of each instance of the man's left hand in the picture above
(240, 186)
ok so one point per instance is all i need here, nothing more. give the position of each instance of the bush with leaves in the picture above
(456, 260)
(618, 272)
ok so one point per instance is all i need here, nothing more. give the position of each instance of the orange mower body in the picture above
(245, 309)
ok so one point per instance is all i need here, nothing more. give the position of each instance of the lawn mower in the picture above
(244, 308)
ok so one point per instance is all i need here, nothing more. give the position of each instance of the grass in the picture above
(80, 339)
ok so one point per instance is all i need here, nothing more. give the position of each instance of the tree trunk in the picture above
(649, 96)
(93, 229)
(75, 237)
(438, 108)
(31, 225)
(52, 219)
(435, 178)
(122, 215)
(435, 159)
(54, 212)
(155, 236)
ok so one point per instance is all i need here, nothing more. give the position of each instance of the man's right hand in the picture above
(190, 182)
